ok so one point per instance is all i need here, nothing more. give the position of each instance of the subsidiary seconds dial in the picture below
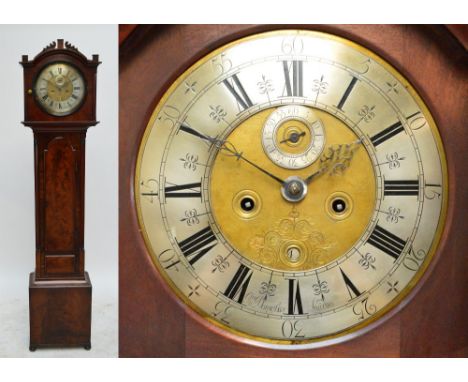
(293, 136)
(286, 192)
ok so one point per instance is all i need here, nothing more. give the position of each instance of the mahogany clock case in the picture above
(430, 322)
(17, 199)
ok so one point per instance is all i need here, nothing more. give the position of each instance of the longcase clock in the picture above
(60, 105)
(289, 190)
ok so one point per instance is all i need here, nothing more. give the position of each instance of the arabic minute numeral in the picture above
(171, 115)
(414, 259)
(431, 193)
(221, 63)
(292, 329)
(221, 311)
(363, 309)
(168, 259)
(292, 45)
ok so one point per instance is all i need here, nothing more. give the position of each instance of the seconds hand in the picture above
(223, 145)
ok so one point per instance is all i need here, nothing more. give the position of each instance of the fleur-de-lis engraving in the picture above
(265, 86)
(393, 215)
(319, 86)
(191, 217)
(367, 261)
(217, 113)
(394, 160)
(190, 87)
(190, 161)
(220, 264)
(392, 87)
(267, 289)
(367, 113)
(320, 288)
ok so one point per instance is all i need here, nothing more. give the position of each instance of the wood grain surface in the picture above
(59, 166)
(434, 320)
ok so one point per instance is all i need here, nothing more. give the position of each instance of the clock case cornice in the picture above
(60, 51)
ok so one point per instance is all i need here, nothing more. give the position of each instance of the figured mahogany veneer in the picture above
(434, 321)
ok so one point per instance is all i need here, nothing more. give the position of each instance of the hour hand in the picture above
(336, 159)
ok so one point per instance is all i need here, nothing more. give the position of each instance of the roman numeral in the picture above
(197, 245)
(45, 97)
(238, 285)
(237, 90)
(401, 187)
(389, 132)
(74, 96)
(190, 190)
(352, 290)
(387, 242)
(294, 299)
(347, 92)
(294, 80)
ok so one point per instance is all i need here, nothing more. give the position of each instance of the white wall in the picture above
(17, 231)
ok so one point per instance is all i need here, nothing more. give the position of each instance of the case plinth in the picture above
(60, 313)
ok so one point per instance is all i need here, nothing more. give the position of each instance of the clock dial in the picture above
(60, 89)
(291, 187)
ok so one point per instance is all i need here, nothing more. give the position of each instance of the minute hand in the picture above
(239, 155)
(224, 145)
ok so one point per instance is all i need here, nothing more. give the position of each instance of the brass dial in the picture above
(60, 89)
(291, 188)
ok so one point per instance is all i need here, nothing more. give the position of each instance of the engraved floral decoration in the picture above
(217, 113)
(191, 217)
(392, 87)
(319, 86)
(320, 288)
(190, 161)
(220, 264)
(268, 289)
(394, 160)
(367, 261)
(392, 286)
(367, 113)
(393, 215)
(291, 230)
(190, 87)
(194, 290)
(265, 86)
